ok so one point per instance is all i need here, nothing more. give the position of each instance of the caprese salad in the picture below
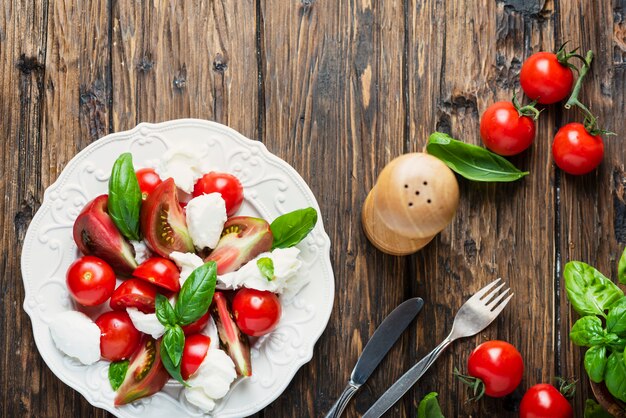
(185, 282)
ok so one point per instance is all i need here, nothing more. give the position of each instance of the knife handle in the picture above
(342, 402)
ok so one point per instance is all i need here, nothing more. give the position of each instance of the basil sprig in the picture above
(472, 162)
(291, 228)
(429, 407)
(125, 197)
(193, 301)
(117, 373)
(266, 267)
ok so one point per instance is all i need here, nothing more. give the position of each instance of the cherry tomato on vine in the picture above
(119, 338)
(196, 347)
(90, 281)
(545, 401)
(575, 150)
(505, 130)
(225, 184)
(499, 365)
(546, 78)
(256, 312)
(159, 271)
(148, 180)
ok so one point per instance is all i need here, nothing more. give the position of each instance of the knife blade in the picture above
(376, 349)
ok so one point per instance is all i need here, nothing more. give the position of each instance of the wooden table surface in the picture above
(337, 88)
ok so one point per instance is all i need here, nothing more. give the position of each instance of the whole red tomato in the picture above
(225, 184)
(575, 150)
(256, 312)
(499, 365)
(148, 180)
(159, 271)
(504, 130)
(119, 338)
(545, 79)
(545, 401)
(90, 281)
(196, 347)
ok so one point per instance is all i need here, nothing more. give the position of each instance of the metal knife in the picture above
(376, 349)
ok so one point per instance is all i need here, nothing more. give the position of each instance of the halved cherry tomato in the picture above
(196, 347)
(575, 150)
(198, 325)
(90, 280)
(545, 79)
(148, 180)
(134, 293)
(225, 184)
(256, 312)
(119, 338)
(161, 272)
(545, 401)
(504, 131)
(499, 365)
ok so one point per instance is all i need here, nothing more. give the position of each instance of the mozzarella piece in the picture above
(206, 215)
(142, 253)
(146, 323)
(76, 335)
(211, 331)
(211, 381)
(182, 165)
(187, 263)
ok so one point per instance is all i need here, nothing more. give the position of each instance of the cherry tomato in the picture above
(545, 401)
(545, 79)
(196, 347)
(148, 180)
(256, 312)
(504, 131)
(134, 293)
(159, 271)
(119, 338)
(225, 184)
(575, 150)
(499, 365)
(90, 281)
(198, 325)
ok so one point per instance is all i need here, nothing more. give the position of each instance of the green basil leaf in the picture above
(616, 319)
(429, 407)
(125, 197)
(595, 363)
(174, 343)
(117, 373)
(615, 344)
(266, 267)
(164, 311)
(196, 294)
(587, 331)
(615, 376)
(588, 290)
(291, 228)
(470, 161)
(174, 371)
(621, 268)
(593, 410)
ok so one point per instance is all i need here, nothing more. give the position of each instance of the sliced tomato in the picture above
(148, 180)
(159, 271)
(134, 293)
(198, 325)
(196, 347)
(119, 338)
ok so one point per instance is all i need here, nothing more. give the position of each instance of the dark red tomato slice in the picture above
(90, 281)
(545, 401)
(225, 184)
(544, 79)
(575, 150)
(198, 325)
(161, 272)
(196, 347)
(134, 293)
(148, 180)
(499, 365)
(256, 312)
(118, 336)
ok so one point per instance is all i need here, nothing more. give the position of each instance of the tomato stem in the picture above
(528, 110)
(475, 384)
(567, 387)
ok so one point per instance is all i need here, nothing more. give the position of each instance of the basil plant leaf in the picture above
(429, 407)
(124, 201)
(196, 294)
(164, 311)
(621, 268)
(615, 376)
(593, 410)
(291, 228)
(117, 373)
(595, 363)
(266, 267)
(616, 319)
(588, 290)
(472, 162)
(174, 371)
(587, 331)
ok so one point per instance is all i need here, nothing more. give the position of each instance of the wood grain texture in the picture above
(337, 89)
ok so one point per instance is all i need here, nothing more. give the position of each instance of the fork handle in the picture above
(408, 379)
(342, 402)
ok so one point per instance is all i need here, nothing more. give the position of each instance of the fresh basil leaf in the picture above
(615, 343)
(595, 363)
(174, 371)
(291, 228)
(588, 290)
(266, 267)
(615, 376)
(621, 268)
(616, 319)
(593, 410)
(470, 161)
(125, 197)
(117, 373)
(174, 343)
(429, 407)
(587, 331)
(164, 311)
(196, 294)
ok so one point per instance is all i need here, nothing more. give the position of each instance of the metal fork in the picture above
(474, 316)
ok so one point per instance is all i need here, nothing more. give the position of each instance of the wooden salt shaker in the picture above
(415, 198)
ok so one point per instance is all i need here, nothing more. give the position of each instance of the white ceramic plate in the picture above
(271, 188)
